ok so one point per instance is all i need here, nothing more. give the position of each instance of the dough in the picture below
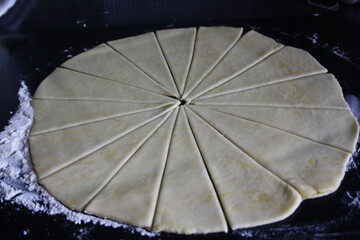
(252, 48)
(211, 45)
(178, 48)
(144, 51)
(191, 130)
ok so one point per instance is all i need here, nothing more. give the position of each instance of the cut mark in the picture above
(269, 83)
(140, 69)
(234, 75)
(207, 72)
(173, 82)
(99, 147)
(117, 169)
(211, 178)
(283, 130)
(118, 82)
(163, 173)
(245, 152)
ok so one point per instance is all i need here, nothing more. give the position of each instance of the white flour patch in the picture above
(351, 164)
(5, 5)
(244, 233)
(82, 22)
(333, 49)
(337, 51)
(18, 182)
(285, 231)
(354, 104)
(353, 199)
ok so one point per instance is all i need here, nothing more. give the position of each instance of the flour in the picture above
(353, 198)
(18, 182)
(333, 49)
(354, 104)
(5, 5)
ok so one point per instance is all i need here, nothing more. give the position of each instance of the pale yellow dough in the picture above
(191, 130)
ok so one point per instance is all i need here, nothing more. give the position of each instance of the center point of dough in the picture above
(182, 102)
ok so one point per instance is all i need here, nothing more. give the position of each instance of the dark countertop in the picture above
(35, 38)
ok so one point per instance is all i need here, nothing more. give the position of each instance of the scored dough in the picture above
(271, 70)
(250, 49)
(311, 168)
(53, 115)
(70, 144)
(318, 91)
(212, 43)
(131, 195)
(67, 84)
(191, 130)
(117, 68)
(178, 48)
(85, 177)
(242, 184)
(305, 122)
(144, 51)
(197, 208)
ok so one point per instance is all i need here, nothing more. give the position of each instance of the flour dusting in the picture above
(354, 104)
(5, 5)
(314, 38)
(353, 198)
(18, 182)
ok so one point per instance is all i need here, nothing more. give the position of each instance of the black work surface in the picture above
(35, 38)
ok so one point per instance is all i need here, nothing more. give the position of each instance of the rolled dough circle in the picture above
(191, 130)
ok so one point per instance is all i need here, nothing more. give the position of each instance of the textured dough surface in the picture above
(191, 130)
(131, 195)
(144, 51)
(187, 200)
(117, 68)
(178, 48)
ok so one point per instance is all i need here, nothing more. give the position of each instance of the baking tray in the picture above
(33, 49)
